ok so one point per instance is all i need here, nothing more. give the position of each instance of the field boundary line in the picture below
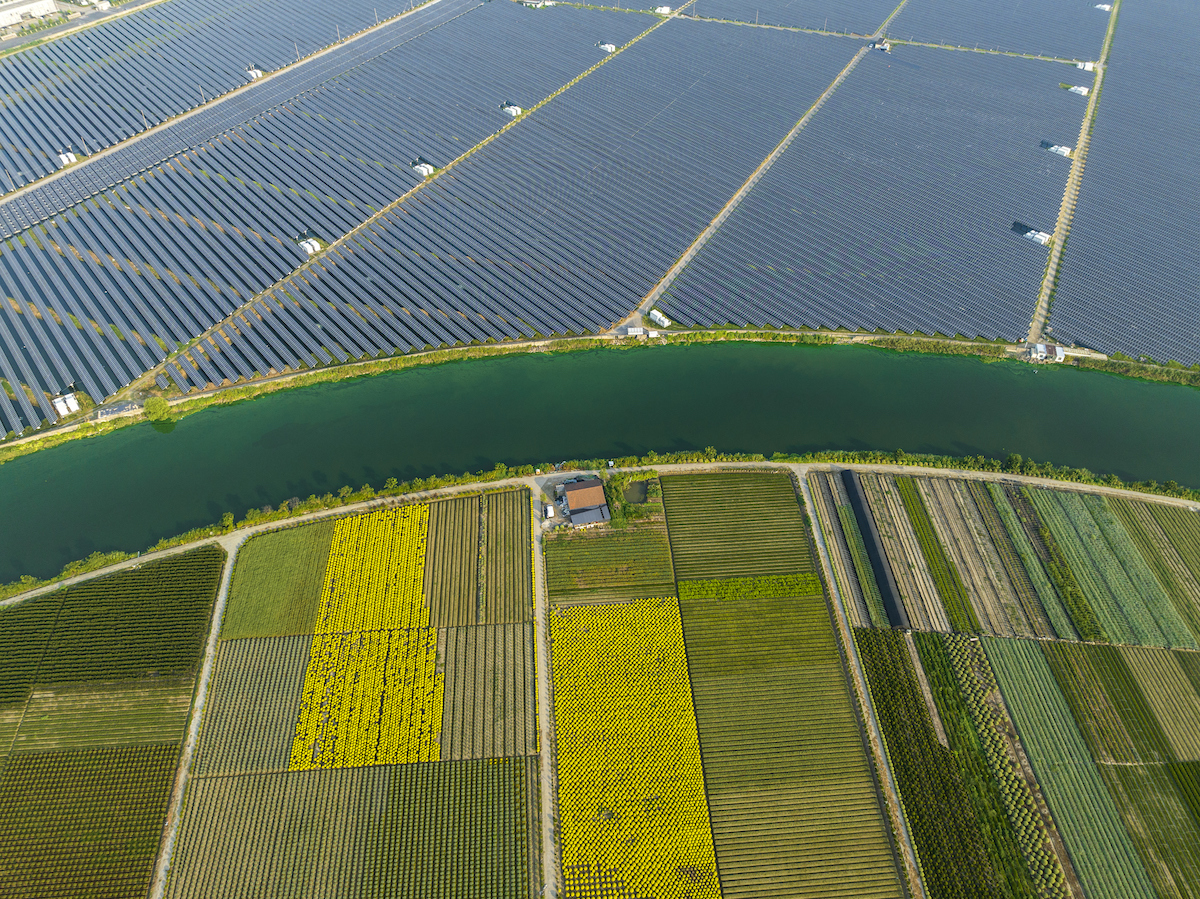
(231, 544)
(673, 272)
(882, 29)
(312, 261)
(1066, 211)
(887, 781)
(901, 42)
(548, 780)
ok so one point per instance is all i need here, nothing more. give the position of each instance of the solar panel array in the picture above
(107, 287)
(1130, 270)
(96, 87)
(563, 223)
(1067, 29)
(894, 207)
(97, 173)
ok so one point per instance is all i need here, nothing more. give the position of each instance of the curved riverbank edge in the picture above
(98, 423)
(349, 502)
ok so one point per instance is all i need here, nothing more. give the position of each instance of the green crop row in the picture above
(977, 683)
(1162, 556)
(1059, 619)
(862, 566)
(1083, 616)
(1102, 854)
(945, 575)
(767, 586)
(83, 822)
(506, 571)
(634, 563)
(951, 847)
(146, 621)
(735, 524)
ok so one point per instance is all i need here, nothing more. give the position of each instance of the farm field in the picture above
(790, 786)
(1016, 561)
(96, 684)
(377, 754)
(735, 525)
(277, 584)
(608, 565)
(631, 793)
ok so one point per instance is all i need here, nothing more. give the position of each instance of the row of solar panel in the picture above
(893, 208)
(1129, 274)
(180, 247)
(562, 224)
(99, 173)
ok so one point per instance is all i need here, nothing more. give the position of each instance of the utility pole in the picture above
(297, 46)
(146, 127)
(339, 31)
(202, 100)
(376, 15)
(10, 180)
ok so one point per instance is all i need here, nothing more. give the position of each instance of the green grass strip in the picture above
(862, 567)
(945, 575)
(765, 587)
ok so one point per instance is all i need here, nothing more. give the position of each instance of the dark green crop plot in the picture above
(452, 561)
(24, 633)
(83, 823)
(945, 575)
(767, 587)
(967, 750)
(950, 843)
(507, 569)
(735, 525)
(277, 582)
(601, 566)
(151, 620)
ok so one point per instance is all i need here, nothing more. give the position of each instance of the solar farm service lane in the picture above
(861, 17)
(100, 291)
(894, 208)
(564, 222)
(1130, 270)
(1066, 29)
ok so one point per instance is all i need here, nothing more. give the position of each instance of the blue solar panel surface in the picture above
(1070, 29)
(862, 17)
(893, 208)
(1130, 270)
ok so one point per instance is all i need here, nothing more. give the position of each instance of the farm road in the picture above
(549, 770)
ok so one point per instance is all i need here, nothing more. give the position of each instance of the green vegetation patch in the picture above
(767, 587)
(943, 819)
(735, 525)
(862, 566)
(1028, 547)
(1169, 696)
(785, 767)
(945, 576)
(141, 622)
(24, 634)
(507, 567)
(118, 713)
(277, 582)
(253, 705)
(1103, 855)
(452, 561)
(1182, 528)
(1107, 704)
(431, 830)
(966, 745)
(84, 822)
(1160, 824)
(603, 566)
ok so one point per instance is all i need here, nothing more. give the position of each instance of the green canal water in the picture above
(127, 490)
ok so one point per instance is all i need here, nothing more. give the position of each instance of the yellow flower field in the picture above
(630, 786)
(372, 694)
